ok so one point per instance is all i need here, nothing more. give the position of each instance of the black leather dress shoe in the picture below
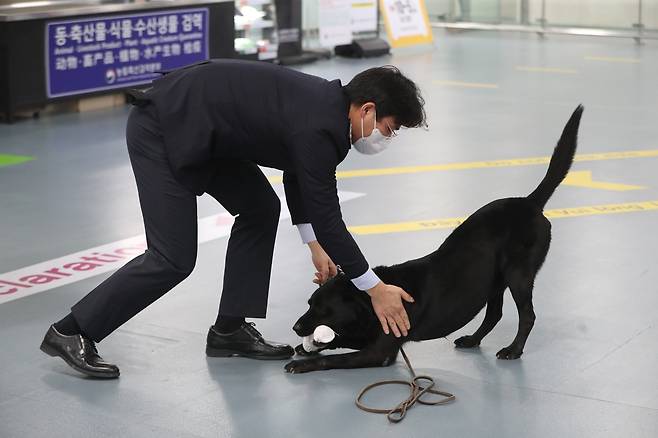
(245, 342)
(79, 352)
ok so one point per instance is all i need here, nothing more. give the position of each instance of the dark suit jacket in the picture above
(271, 116)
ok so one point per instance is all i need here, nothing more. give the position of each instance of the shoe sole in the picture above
(216, 352)
(54, 353)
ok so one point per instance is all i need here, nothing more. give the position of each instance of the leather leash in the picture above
(417, 391)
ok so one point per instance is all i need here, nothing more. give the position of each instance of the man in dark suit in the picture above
(206, 128)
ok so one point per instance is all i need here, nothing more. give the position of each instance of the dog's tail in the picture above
(560, 161)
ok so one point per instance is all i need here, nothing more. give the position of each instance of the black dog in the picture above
(502, 245)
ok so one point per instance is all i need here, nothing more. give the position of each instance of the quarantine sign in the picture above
(116, 51)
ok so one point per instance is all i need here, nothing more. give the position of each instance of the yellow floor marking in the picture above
(433, 224)
(399, 227)
(465, 84)
(566, 71)
(584, 179)
(483, 164)
(613, 59)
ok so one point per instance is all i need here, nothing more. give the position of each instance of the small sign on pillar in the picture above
(407, 22)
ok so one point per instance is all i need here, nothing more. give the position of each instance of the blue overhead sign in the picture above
(101, 53)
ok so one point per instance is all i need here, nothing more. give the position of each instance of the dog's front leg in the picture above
(380, 354)
(493, 315)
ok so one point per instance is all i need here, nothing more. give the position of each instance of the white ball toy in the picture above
(321, 335)
(307, 343)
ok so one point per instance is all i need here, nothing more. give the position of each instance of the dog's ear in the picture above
(365, 314)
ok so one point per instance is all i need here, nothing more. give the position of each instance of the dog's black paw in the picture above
(300, 366)
(466, 342)
(509, 353)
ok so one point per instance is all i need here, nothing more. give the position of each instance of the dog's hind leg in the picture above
(492, 316)
(521, 285)
(524, 261)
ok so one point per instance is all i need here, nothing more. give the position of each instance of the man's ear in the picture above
(366, 108)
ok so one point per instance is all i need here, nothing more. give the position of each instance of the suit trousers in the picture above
(170, 221)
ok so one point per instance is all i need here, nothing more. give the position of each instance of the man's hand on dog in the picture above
(386, 299)
(326, 268)
(387, 303)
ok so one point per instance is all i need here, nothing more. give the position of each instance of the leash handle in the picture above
(417, 391)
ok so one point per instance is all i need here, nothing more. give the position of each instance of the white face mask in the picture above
(375, 143)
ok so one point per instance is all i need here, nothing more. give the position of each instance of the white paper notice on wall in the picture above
(364, 16)
(333, 23)
(406, 22)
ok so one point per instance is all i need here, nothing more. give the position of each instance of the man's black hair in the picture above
(393, 94)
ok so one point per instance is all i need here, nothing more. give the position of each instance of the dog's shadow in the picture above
(488, 367)
(476, 351)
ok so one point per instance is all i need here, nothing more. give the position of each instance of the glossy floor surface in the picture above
(589, 368)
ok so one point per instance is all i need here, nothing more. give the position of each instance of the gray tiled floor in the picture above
(589, 366)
